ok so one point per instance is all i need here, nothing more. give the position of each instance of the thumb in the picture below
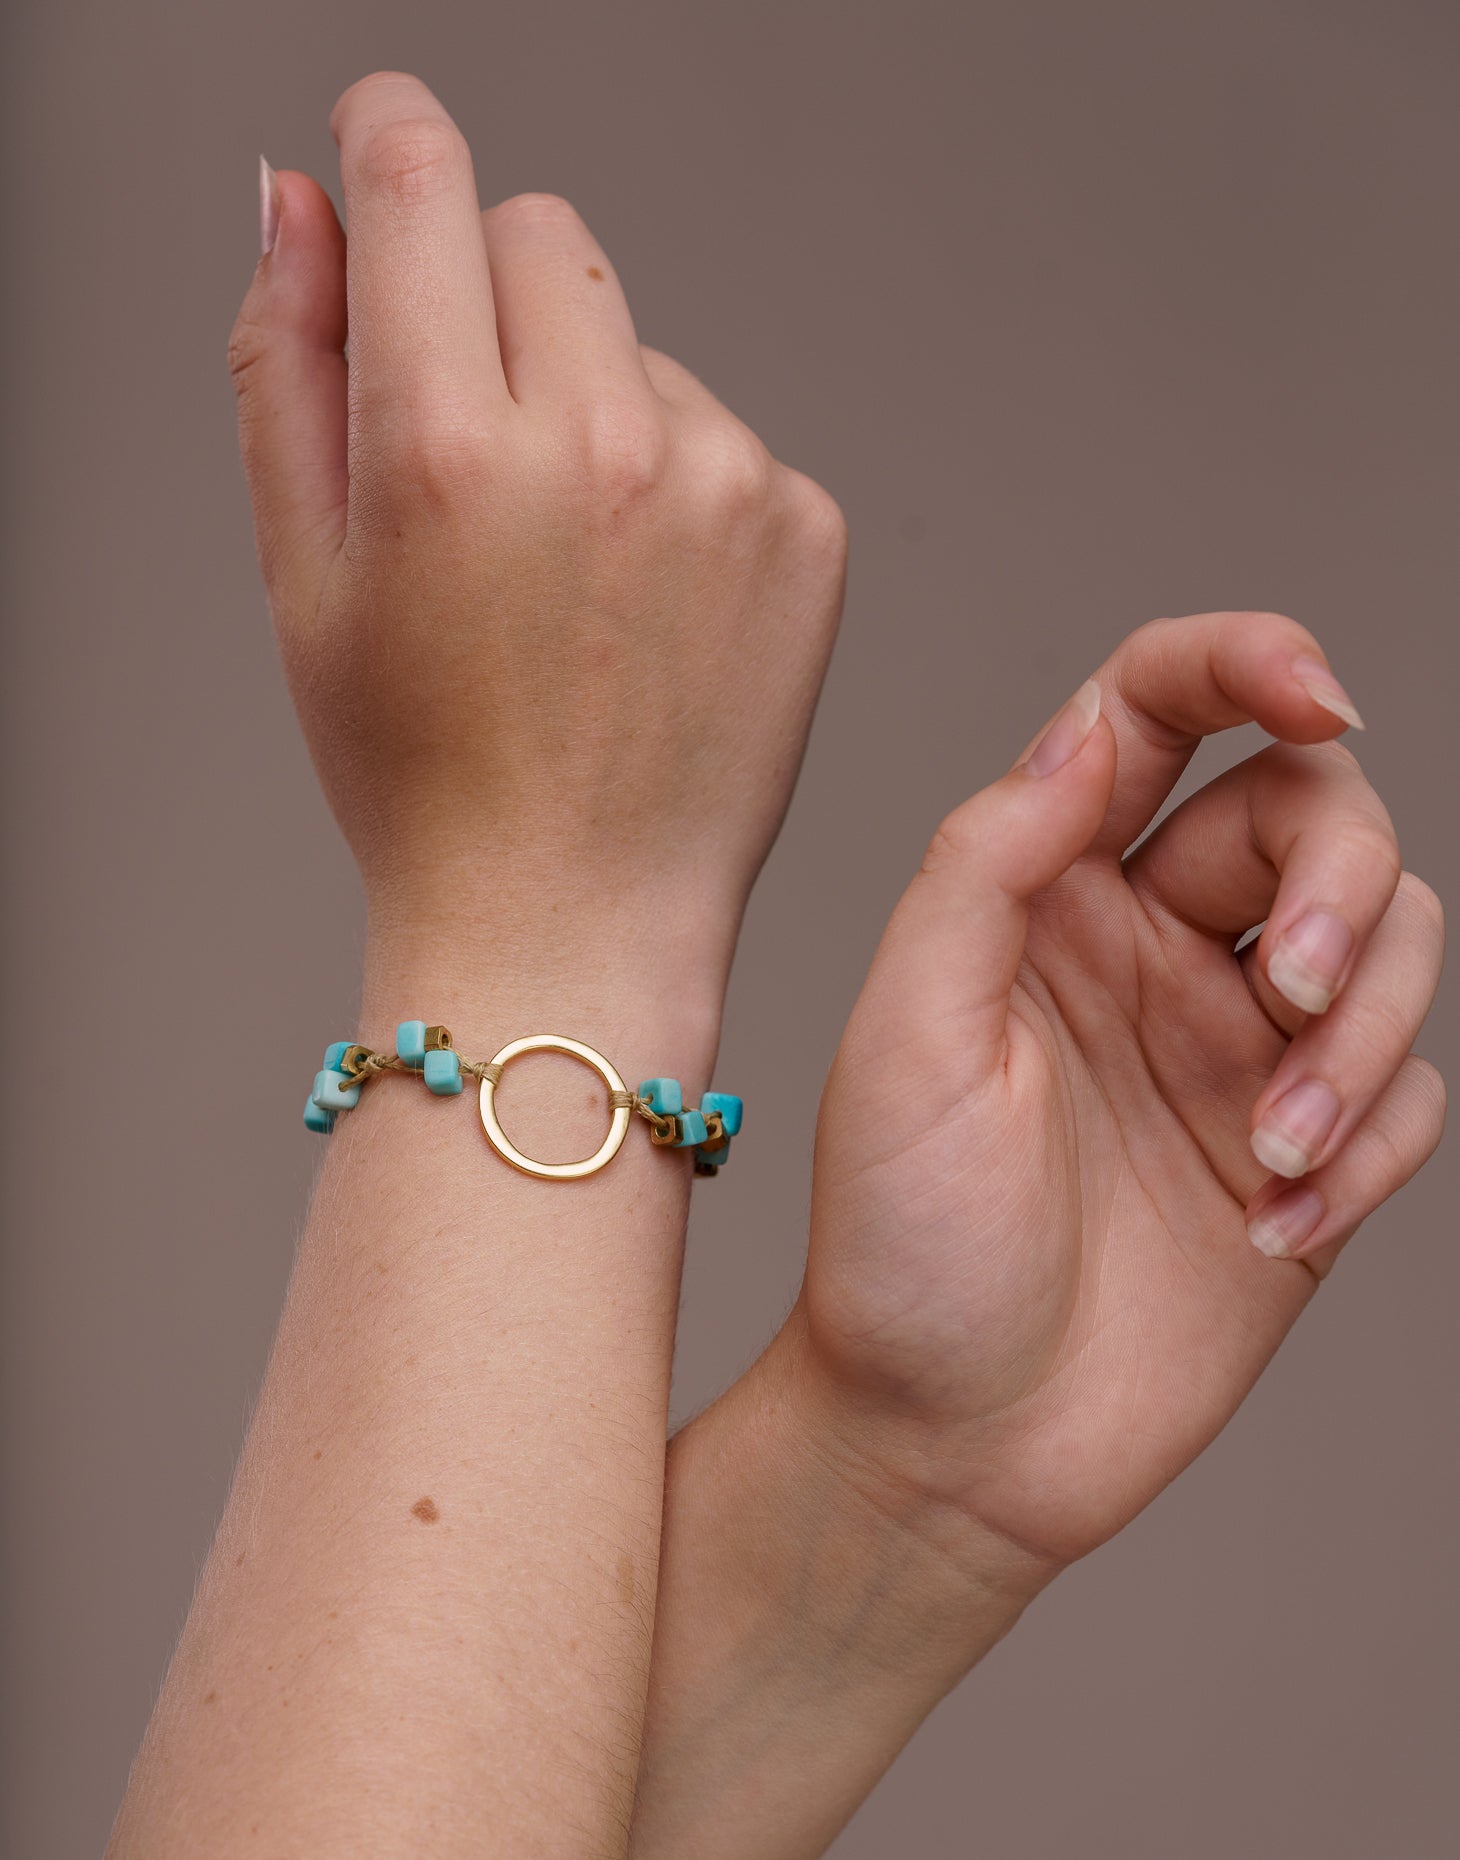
(287, 358)
(947, 962)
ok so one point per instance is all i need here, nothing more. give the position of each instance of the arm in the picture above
(1082, 1160)
(555, 624)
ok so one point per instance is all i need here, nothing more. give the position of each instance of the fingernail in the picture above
(268, 205)
(1311, 956)
(1321, 685)
(1294, 1130)
(1286, 1222)
(1061, 741)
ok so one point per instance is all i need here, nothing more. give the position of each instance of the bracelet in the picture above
(706, 1129)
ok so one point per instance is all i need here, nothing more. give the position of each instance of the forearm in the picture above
(430, 1601)
(809, 1618)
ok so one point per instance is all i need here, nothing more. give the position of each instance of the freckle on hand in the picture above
(595, 274)
(210, 1698)
(425, 1510)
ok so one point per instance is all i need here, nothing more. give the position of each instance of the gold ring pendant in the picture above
(575, 1049)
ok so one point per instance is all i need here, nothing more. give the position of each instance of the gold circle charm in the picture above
(575, 1049)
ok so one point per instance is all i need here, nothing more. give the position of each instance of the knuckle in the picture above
(428, 466)
(820, 519)
(246, 349)
(952, 842)
(1421, 903)
(411, 158)
(1371, 848)
(536, 210)
(623, 450)
(732, 469)
(1433, 1100)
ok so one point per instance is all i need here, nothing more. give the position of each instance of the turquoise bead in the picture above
(731, 1109)
(317, 1118)
(442, 1072)
(333, 1091)
(334, 1054)
(692, 1130)
(410, 1043)
(666, 1096)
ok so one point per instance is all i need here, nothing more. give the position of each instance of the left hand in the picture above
(1056, 1114)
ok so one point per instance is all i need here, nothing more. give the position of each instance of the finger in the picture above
(423, 337)
(287, 357)
(1293, 835)
(951, 952)
(1175, 681)
(1342, 1060)
(1309, 1221)
(563, 323)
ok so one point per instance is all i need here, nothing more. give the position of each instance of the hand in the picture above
(554, 621)
(1055, 1115)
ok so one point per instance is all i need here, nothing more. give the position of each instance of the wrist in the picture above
(601, 963)
(880, 1582)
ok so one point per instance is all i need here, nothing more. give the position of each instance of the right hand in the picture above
(1068, 1080)
(554, 621)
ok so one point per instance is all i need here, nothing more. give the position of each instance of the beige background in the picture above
(1086, 313)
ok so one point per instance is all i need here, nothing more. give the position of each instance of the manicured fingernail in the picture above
(268, 205)
(1286, 1222)
(1321, 685)
(1294, 1130)
(1311, 956)
(1061, 741)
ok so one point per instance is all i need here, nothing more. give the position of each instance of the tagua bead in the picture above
(410, 1043)
(317, 1118)
(442, 1072)
(333, 1091)
(665, 1096)
(731, 1109)
(335, 1053)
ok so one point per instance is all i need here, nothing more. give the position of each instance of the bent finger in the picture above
(1341, 1061)
(1310, 1221)
(563, 322)
(287, 357)
(1296, 836)
(423, 337)
(1173, 682)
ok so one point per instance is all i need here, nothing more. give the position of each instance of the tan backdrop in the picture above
(1086, 314)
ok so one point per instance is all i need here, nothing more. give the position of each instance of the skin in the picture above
(555, 624)
(1031, 1297)
(502, 544)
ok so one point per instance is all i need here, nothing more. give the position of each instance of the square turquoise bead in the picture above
(666, 1096)
(442, 1072)
(316, 1118)
(731, 1109)
(410, 1043)
(335, 1053)
(692, 1130)
(334, 1091)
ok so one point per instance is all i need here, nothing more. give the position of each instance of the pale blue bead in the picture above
(410, 1043)
(692, 1130)
(442, 1072)
(666, 1096)
(731, 1109)
(334, 1091)
(317, 1118)
(334, 1054)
